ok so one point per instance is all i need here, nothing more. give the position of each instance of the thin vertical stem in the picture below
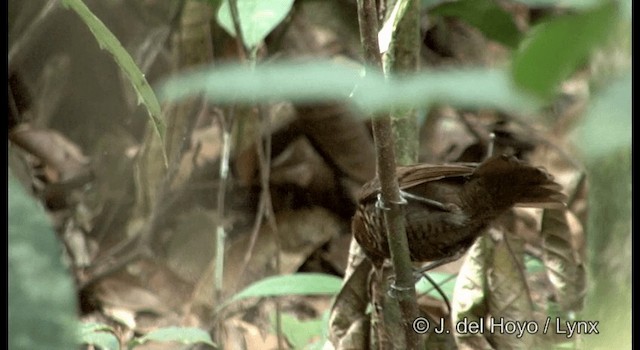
(386, 164)
(264, 156)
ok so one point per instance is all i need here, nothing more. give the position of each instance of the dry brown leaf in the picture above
(470, 294)
(349, 309)
(300, 233)
(244, 335)
(563, 241)
(119, 293)
(508, 298)
(54, 149)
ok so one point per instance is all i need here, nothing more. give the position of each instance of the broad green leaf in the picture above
(100, 335)
(42, 305)
(295, 284)
(109, 42)
(607, 124)
(257, 18)
(446, 281)
(184, 335)
(494, 22)
(322, 81)
(559, 46)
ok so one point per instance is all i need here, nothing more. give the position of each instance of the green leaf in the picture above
(577, 4)
(87, 327)
(494, 22)
(184, 335)
(301, 333)
(98, 334)
(42, 305)
(295, 284)
(109, 42)
(426, 4)
(446, 281)
(557, 48)
(321, 81)
(257, 18)
(607, 124)
(533, 265)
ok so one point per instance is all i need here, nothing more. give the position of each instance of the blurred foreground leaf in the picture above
(559, 46)
(560, 3)
(42, 308)
(494, 22)
(100, 335)
(323, 81)
(607, 124)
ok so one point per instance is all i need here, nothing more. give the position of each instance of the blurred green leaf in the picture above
(42, 307)
(326, 81)
(446, 281)
(295, 284)
(100, 335)
(607, 124)
(109, 42)
(95, 327)
(301, 333)
(533, 265)
(578, 4)
(559, 46)
(494, 22)
(257, 18)
(184, 335)
(426, 4)
(610, 234)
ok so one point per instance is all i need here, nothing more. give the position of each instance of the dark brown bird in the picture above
(449, 206)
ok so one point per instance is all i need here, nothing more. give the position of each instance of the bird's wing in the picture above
(414, 175)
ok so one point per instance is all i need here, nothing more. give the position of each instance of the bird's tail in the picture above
(503, 181)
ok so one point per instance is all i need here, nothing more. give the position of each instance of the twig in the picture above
(435, 286)
(386, 166)
(264, 157)
(235, 16)
(21, 44)
(222, 189)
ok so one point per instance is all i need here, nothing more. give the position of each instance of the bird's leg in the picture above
(430, 202)
(380, 205)
(432, 265)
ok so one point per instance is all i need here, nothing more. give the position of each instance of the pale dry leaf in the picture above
(246, 335)
(508, 298)
(469, 301)
(563, 240)
(58, 152)
(349, 308)
(118, 293)
(357, 336)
